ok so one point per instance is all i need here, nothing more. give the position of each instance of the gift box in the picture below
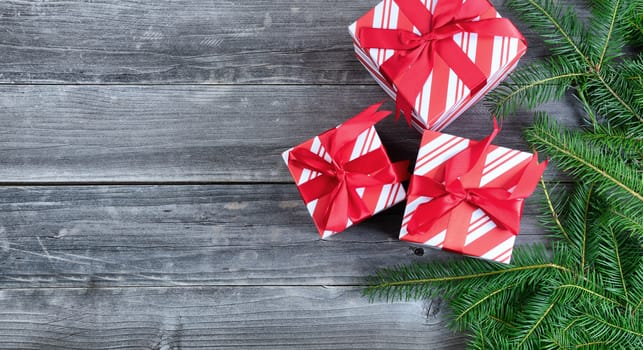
(436, 58)
(467, 196)
(344, 175)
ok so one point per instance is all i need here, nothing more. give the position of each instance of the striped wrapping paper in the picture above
(376, 198)
(483, 239)
(444, 96)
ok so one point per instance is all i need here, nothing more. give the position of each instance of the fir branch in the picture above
(583, 59)
(587, 291)
(613, 177)
(536, 324)
(585, 219)
(635, 20)
(482, 300)
(629, 147)
(419, 280)
(591, 344)
(529, 86)
(591, 114)
(615, 9)
(508, 99)
(557, 344)
(617, 105)
(471, 276)
(557, 25)
(636, 280)
(619, 262)
(632, 70)
(607, 31)
(626, 223)
(636, 308)
(591, 292)
(615, 326)
(503, 322)
(553, 211)
(571, 324)
(578, 296)
(626, 220)
(578, 221)
(533, 319)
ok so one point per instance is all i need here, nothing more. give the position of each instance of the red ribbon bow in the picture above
(461, 192)
(410, 66)
(341, 176)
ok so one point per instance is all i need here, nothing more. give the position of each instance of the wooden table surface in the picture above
(144, 203)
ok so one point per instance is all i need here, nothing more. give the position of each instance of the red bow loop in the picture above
(339, 177)
(461, 187)
(410, 66)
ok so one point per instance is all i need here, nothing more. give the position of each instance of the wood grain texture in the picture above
(230, 235)
(185, 41)
(195, 133)
(221, 318)
(143, 201)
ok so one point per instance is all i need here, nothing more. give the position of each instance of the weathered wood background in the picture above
(144, 204)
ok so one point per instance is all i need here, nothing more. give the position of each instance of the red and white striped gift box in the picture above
(484, 239)
(376, 198)
(444, 96)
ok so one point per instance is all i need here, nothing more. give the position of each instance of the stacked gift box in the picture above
(492, 46)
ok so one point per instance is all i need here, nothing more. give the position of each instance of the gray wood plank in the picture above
(228, 235)
(221, 318)
(186, 41)
(194, 133)
(222, 265)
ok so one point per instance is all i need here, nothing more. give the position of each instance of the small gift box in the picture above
(467, 196)
(344, 175)
(436, 58)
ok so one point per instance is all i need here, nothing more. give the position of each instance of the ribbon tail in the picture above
(335, 216)
(410, 84)
(398, 112)
(458, 226)
(345, 205)
(401, 170)
(403, 107)
(529, 178)
(399, 70)
(500, 207)
(366, 114)
(357, 209)
(344, 135)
